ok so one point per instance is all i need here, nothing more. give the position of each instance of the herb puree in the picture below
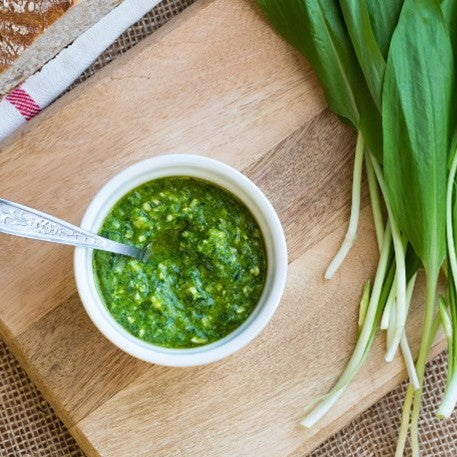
(207, 266)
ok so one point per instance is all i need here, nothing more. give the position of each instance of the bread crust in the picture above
(22, 22)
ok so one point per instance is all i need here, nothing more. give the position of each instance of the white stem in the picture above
(450, 394)
(409, 362)
(389, 306)
(375, 201)
(322, 408)
(449, 228)
(391, 326)
(364, 303)
(362, 344)
(446, 322)
(449, 399)
(404, 345)
(351, 233)
(401, 314)
(399, 263)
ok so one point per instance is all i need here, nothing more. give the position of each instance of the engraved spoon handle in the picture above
(22, 221)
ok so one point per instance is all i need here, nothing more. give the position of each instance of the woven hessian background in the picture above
(29, 427)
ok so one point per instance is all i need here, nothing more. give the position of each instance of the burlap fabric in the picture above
(29, 427)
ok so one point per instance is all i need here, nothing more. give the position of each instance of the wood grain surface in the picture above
(218, 82)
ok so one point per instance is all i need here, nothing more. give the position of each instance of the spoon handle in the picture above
(22, 221)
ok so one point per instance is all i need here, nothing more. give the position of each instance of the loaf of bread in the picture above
(33, 31)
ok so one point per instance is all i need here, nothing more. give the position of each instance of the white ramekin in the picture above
(217, 173)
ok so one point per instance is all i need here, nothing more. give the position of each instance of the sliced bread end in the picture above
(60, 34)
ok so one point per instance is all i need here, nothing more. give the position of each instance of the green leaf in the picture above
(366, 47)
(416, 117)
(317, 29)
(449, 8)
(371, 24)
(384, 16)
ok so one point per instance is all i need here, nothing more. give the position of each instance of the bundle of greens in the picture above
(387, 67)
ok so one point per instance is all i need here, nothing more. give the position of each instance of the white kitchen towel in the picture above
(40, 89)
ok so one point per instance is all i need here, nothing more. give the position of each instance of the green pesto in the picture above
(206, 272)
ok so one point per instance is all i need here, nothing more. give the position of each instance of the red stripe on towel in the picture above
(24, 103)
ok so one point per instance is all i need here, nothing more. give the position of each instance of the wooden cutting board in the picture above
(218, 82)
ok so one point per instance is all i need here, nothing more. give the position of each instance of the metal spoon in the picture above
(22, 221)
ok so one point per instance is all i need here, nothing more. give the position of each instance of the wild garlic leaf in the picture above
(384, 16)
(317, 29)
(449, 8)
(416, 127)
(371, 24)
(372, 63)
